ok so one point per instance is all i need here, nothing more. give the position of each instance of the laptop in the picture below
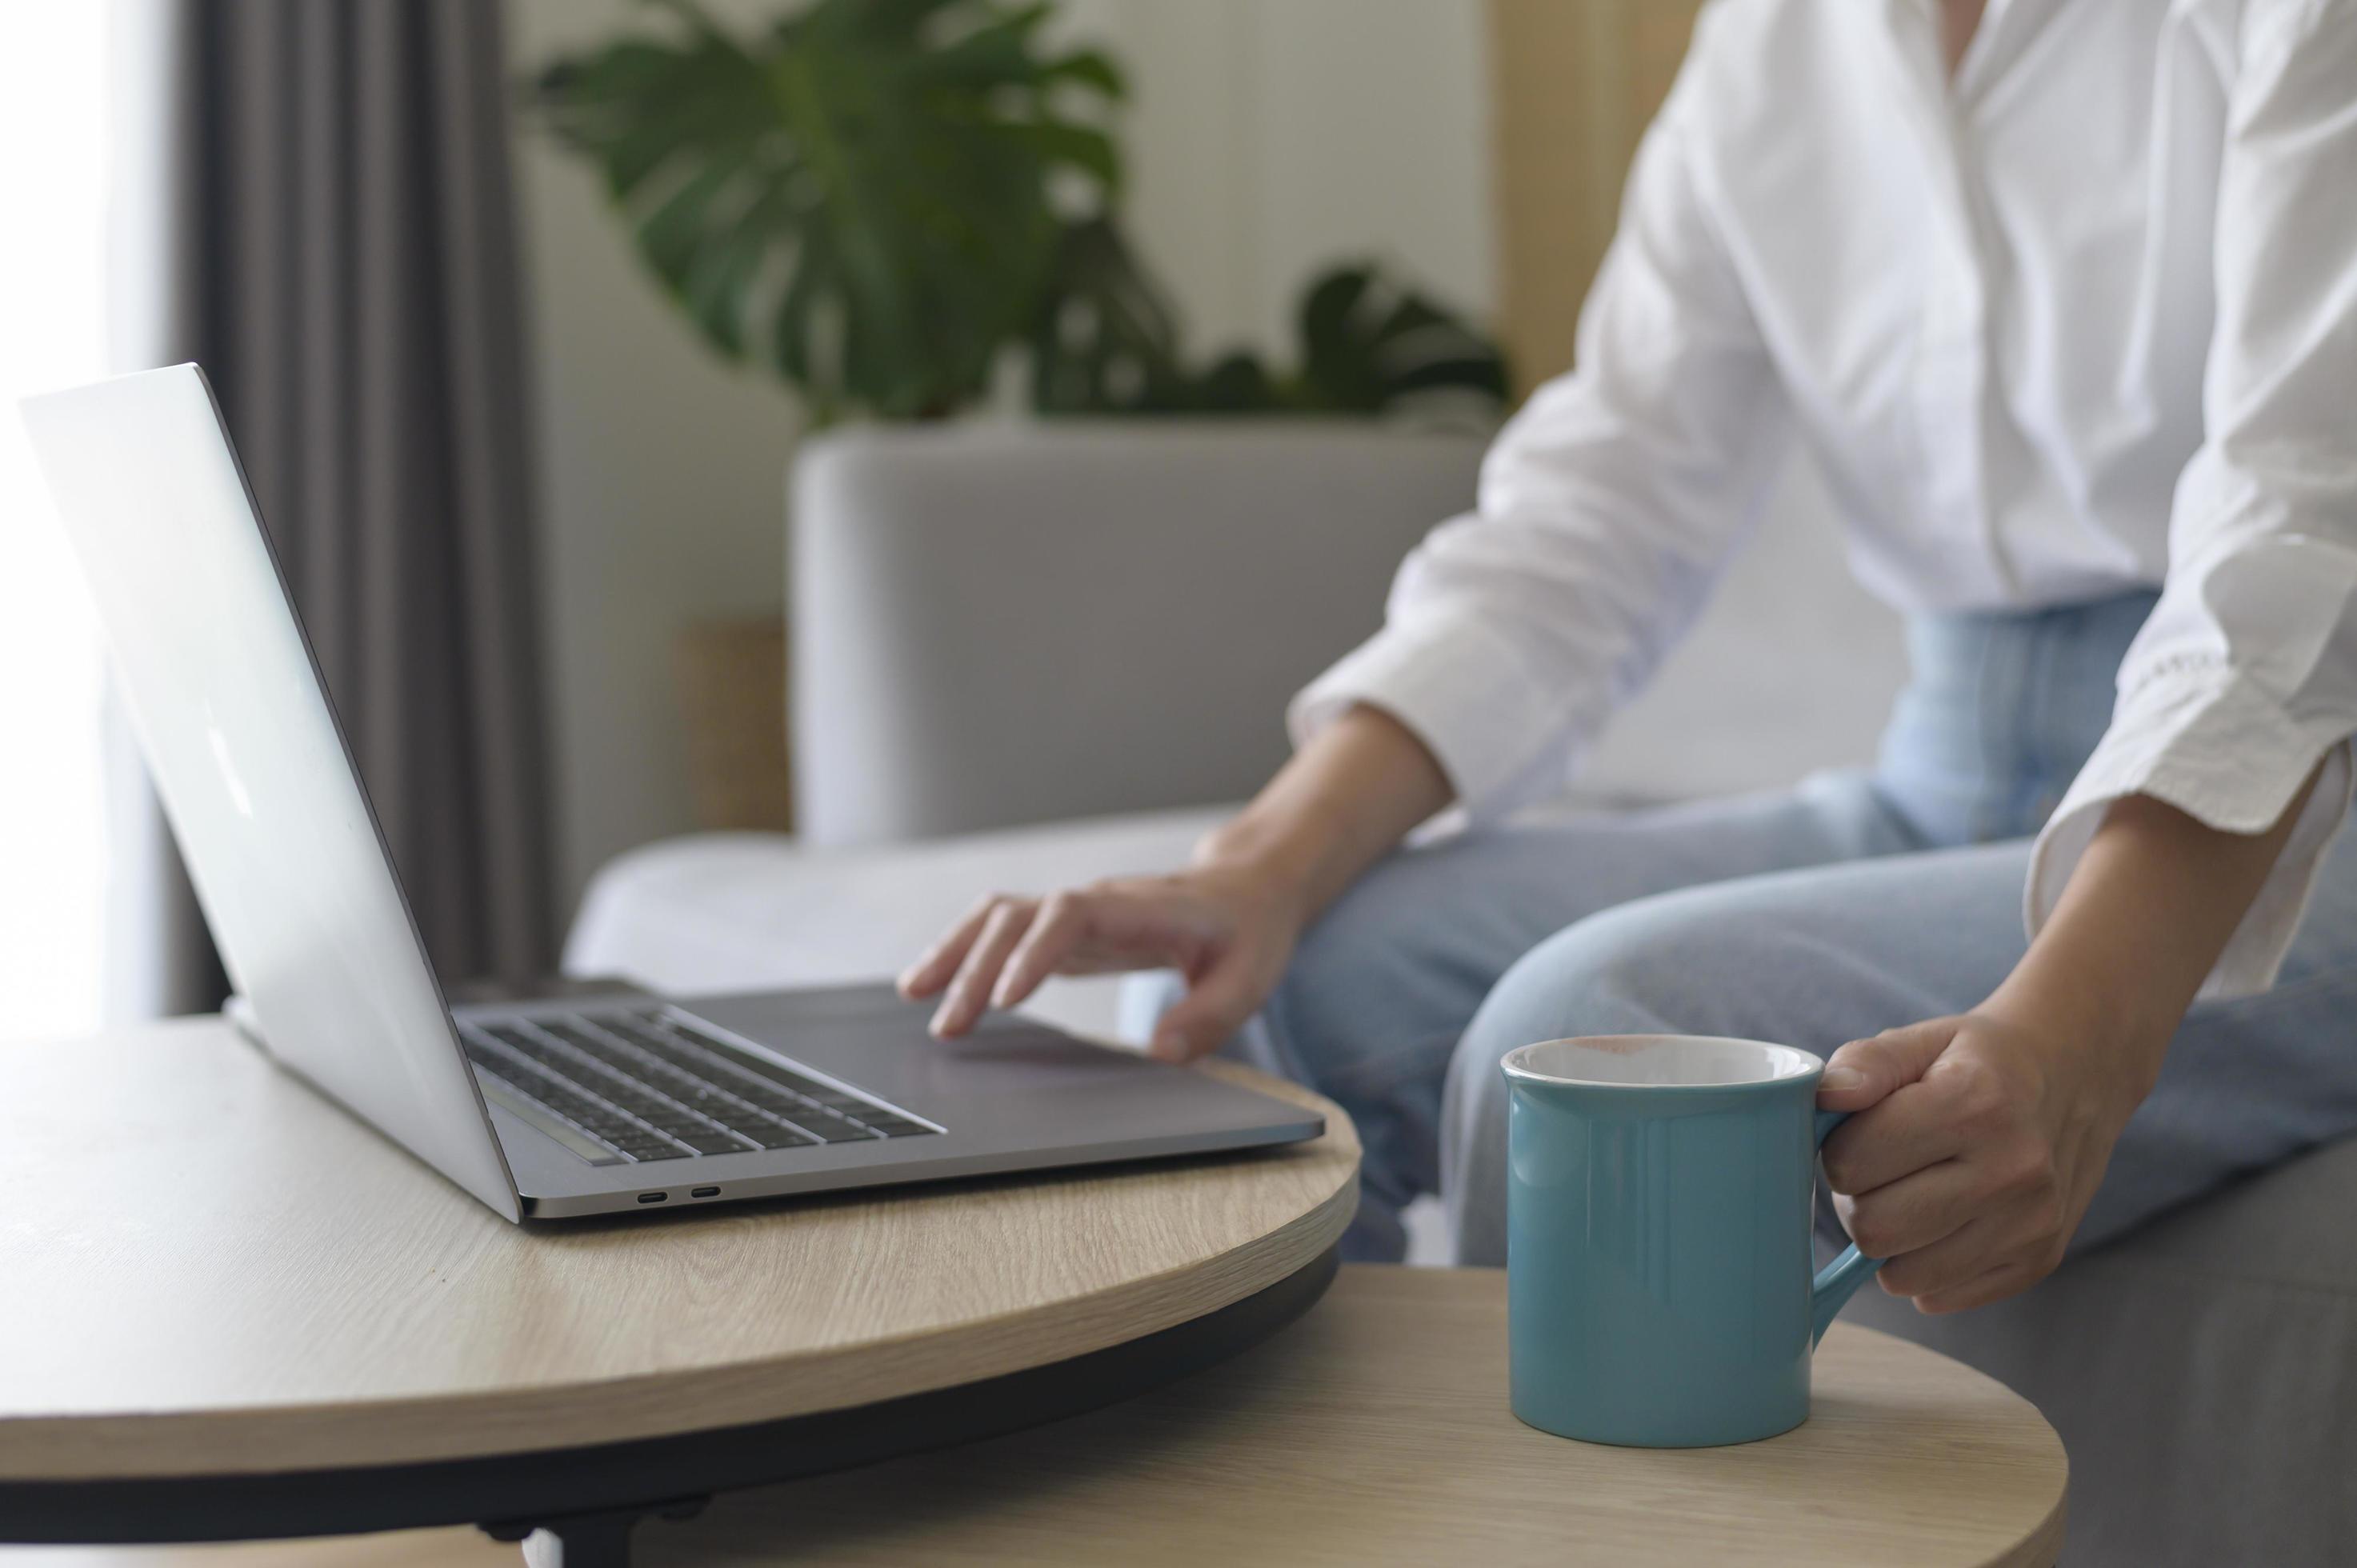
(546, 1111)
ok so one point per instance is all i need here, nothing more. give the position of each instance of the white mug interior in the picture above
(1659, 1061)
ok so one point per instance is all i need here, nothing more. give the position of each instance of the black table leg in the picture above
(591, 1540)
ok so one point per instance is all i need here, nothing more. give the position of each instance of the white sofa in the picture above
(1029, 655)
(741, 911)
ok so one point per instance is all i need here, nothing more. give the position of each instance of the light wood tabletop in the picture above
(210, 1271)
(1376, 1430)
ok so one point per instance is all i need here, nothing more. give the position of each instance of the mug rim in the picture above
(1517, 1071)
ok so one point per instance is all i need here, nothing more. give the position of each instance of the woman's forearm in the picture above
(1345, 800)
(2148, 909)
(1977, 1142)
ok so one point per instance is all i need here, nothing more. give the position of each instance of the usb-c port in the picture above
(653, 1197)
(705, 1192)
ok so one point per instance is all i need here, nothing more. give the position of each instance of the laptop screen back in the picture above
(285, 855)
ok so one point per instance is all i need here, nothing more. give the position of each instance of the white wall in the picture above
(1267, 138)
(659, 483)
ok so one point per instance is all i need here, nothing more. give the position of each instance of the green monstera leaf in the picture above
(1368, 344)
(1105, 343)
(870, 195)
(1103, 339)
(877, 197)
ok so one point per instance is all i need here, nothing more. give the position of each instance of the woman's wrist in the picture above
(2106, 1024)
(1280, 858)
(1345, 800)
(2152, 903)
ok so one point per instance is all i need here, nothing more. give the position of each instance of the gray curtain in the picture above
(344, 268)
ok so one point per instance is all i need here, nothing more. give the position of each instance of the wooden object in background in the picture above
(1573, 85)
(1376, 1430)
(185, 1293)
(732, 698)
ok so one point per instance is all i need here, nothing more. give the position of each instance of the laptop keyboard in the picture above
(661, 1084)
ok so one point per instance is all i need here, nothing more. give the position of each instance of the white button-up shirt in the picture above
(2079, 321)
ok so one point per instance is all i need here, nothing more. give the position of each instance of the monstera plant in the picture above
(877, 197)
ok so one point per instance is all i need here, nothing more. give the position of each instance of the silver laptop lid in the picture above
(286, 857)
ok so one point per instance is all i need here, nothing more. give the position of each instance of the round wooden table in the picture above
(1375, 1431)
(230, 1311)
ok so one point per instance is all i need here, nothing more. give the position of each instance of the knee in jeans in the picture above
(1621, 971)
(1660, 965)
(1606, 975)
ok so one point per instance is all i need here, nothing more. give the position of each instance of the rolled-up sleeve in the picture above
(1607, 508)
(2246, 677)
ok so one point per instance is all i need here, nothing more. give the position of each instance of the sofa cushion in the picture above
(1004, 623)
(2202, 1372)
(721, 912)
(996, 624)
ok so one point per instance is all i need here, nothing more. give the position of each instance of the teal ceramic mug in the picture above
(1658, 1190)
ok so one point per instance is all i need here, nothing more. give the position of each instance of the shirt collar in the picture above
(2007, 31)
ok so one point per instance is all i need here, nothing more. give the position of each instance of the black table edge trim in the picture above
(514, 1491)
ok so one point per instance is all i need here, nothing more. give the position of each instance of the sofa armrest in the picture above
(1000, 624)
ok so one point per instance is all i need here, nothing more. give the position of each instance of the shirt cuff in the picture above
(2221, 751)
(1496, 732)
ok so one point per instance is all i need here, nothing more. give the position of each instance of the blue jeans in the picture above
(1854, 902)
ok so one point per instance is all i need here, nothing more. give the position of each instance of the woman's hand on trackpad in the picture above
(1229, 932)
(1228, 923)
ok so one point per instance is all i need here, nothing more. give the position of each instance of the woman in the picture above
(2063, 299)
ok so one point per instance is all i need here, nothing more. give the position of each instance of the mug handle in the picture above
(1839, 1280)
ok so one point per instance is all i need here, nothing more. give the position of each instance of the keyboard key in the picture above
(691, 1104)
(583, 1112)
(711, 1141)
(633, 1028)
(749, 1061)
(655, 1088)
(835, 1130)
